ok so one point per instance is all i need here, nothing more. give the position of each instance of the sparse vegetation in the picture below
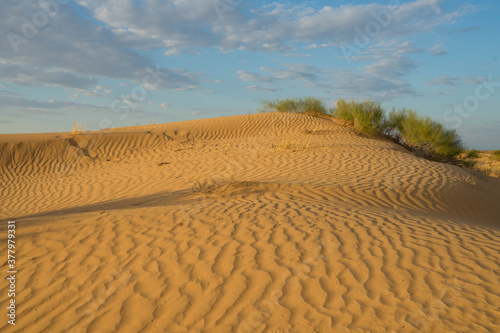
(305, 105)
(496, 155)
(214, 185)
(487, 162)
(291, 145)
(77, 128)
(472, 153)
(423, 134)
(367, 117)
(417, 133)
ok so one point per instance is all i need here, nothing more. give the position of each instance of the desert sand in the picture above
(314, 229)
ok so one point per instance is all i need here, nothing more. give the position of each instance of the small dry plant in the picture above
(77, 128)
(313, 132)
(291, 145)
(215, 185)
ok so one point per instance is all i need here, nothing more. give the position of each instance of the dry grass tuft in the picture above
(495, 155)
(77, 128)
(472, 154)
(487, 162)
(317, 131)
(291, 145)
(215, 185)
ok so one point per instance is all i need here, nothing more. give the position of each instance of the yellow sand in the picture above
(321, 230)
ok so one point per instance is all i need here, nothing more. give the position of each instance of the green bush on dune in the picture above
(404, 126)
(423, 134)
(367, 117)
(305, 105)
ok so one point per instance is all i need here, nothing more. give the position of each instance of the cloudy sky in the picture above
(114, 63)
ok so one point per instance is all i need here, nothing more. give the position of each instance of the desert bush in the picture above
(423, 134)
(305, 105)
(367, 117)
(345, 110)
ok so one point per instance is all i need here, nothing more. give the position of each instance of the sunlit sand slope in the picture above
(318, 230)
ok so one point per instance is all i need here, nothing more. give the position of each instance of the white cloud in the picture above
(253, 77)
(72, 52)
(450, 81)
(28, 75)
(260, 88)
(13, 105)
(10, 100)
(184, 25)
(383, 78)
(437, 50)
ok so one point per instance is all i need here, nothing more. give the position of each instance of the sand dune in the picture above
(319, 230)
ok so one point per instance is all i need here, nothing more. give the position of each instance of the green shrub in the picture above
(394, 124)
(345, 110)
(313, 105)
(305, 105)
(424, 134)
(367, 117)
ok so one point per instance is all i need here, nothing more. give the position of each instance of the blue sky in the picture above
(115, 63)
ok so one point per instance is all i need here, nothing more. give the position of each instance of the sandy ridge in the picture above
(351, 234)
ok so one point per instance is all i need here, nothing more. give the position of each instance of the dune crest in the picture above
(320, 230)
